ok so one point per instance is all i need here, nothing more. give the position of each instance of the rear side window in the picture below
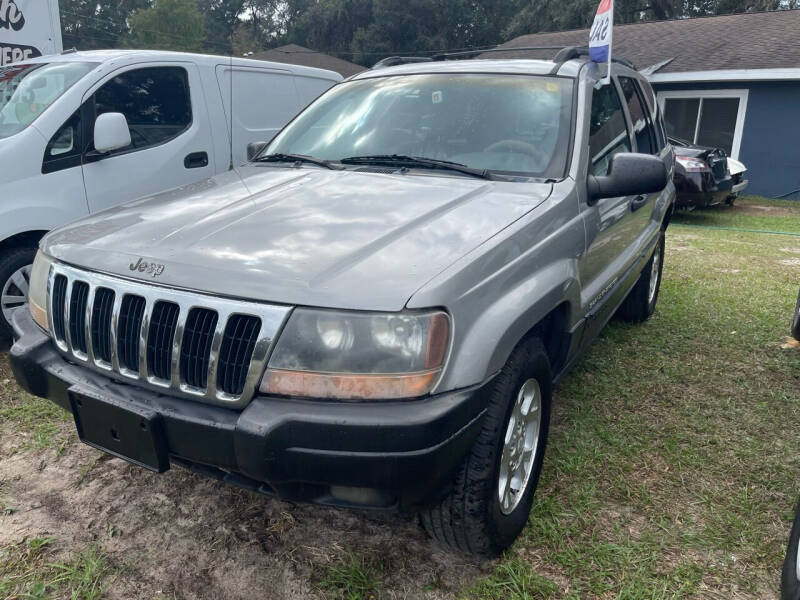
(643, 130)
(608, 133)
(154, 100)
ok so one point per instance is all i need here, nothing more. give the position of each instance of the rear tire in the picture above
(472, 518)
(641, 301)
(15, 269)
(796, 320)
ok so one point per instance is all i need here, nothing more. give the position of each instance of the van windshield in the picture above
(507, 124)
(27, 90)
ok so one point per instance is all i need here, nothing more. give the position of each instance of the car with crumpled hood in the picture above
(374, 311)
(706, 176)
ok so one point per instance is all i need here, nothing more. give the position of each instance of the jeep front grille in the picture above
(204, 347)
(237, 348)
(197, 338)
(163, 323)
(101, 324)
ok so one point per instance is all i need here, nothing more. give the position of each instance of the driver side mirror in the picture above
(111, 133)
(629, 174)
(254, 149)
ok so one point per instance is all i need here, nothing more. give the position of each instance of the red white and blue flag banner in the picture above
(602, 34)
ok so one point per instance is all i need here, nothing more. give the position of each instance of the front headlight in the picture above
(358, 356)
(37, 292)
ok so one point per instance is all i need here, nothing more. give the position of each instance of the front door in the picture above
(611, 224)
(170, 134)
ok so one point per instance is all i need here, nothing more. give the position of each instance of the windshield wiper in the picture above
(417, 161)
(297, 158)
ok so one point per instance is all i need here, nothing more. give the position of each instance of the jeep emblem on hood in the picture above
(143, 266)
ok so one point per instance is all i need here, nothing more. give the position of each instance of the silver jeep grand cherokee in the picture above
(374, 311)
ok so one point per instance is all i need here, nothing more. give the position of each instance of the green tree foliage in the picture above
(221, 20)
(169, 25)
(360, 30)
(88, 24)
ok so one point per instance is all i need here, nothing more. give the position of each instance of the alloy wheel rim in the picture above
(520, 446)
(15, 291)
(655, 273)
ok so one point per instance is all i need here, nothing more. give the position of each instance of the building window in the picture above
(712, 118)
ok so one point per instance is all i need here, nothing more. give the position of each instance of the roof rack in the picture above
(564, 54)
(392, 61)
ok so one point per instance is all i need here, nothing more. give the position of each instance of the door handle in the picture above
(638, 202)
(196, 160)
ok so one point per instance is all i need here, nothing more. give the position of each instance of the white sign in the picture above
(28, 28)
(601, 37)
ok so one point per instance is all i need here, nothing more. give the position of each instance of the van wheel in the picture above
(15, 275)
(641, 301)
(493, 490)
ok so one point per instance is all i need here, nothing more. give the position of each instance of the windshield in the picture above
(27, 90)
(512, 124)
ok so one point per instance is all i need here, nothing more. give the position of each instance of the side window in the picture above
(154, 100)
(63, 151)
(661, 132)
(643, 130)
(608, 134)
(646, 92)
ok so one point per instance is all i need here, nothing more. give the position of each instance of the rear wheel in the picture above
(641, 301)
(15, 274)
(493, 490)
(796, 320)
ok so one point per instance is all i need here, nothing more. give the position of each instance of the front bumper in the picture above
(699, 190)
(739, 187)
(389, 455)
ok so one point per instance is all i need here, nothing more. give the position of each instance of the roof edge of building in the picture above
(779, 74)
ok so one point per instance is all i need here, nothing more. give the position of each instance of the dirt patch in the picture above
(760, 209)
(180, 535)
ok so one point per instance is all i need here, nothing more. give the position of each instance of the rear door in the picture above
(170, 134)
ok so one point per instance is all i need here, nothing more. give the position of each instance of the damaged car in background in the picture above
(705, 176)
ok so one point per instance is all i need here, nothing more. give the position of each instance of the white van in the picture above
(83, 131)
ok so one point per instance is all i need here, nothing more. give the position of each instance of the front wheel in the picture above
(15, 275)
(493, 490)
(641, 301)
(796, 320)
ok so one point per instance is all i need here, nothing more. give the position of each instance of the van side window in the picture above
(154, 100)
(63, 151)
(642, 126)
(608, 134)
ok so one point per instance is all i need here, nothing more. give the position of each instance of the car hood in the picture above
(301, 236)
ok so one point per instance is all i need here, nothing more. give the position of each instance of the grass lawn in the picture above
(673, 466)
(671, 472)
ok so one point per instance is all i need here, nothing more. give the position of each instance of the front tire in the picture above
(796, 320)
(790, 576)
(15, 274)
(641, 301)
(493, 490)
